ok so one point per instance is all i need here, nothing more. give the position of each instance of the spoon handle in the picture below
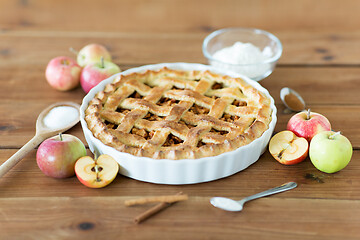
(14, 159)
(282, 188)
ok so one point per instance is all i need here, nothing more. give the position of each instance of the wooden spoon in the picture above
(42, 133)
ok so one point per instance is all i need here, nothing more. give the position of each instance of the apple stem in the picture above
(71, 49)
(102, 62)
(332, 136)
(96, 155)
(60, 136)
(308, 114)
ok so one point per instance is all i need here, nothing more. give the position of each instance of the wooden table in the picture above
(321, 61)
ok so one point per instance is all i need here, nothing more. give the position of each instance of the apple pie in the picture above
(178, 114)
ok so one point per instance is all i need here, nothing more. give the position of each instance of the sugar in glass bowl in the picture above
(248, 51)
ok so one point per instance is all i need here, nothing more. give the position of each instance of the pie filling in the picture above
(192, 117)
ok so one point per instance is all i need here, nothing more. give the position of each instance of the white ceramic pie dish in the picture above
(185, 171)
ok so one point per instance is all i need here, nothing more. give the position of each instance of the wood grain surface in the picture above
(321, 60)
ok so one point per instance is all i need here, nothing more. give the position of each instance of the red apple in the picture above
(307, 124)
(287, 148)
(96, 173)
(92, 53)
(63, 73)
(56, 156)
(94, 73)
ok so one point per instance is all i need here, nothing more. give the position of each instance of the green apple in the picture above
(330, 152)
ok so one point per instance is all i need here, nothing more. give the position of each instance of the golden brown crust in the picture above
(172, 114)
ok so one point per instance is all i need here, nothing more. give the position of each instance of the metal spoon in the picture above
(42, 132)
(236, 206)
(286, 91)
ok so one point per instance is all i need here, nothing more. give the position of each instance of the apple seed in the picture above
(99, 169)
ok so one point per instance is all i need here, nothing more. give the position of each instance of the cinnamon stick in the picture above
(145, 215)
(167, 199)
(152, 211)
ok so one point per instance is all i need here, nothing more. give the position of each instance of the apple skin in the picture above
(330, 152)
(63, 73)
(56, 158)
(308, 127)
(85, 171)
(287, 148)
(94, 73)
(92, 53)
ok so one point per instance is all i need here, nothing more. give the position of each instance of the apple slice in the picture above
(287, 148)
(96, 173)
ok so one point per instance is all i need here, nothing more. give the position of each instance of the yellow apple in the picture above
(92, 53)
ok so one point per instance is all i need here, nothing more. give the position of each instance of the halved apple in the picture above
(96, 173)
(287, 148)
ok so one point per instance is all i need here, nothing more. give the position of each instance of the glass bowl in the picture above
(270, 50)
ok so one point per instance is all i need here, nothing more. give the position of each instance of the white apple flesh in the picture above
(287, 148)
(94, 73)
(307, 124)
(330, 152)
(63, 73)
(96, 173)
(92, 53)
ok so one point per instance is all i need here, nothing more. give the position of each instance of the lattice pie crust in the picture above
(175, 114)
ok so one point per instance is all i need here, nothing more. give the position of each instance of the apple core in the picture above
(65, 62)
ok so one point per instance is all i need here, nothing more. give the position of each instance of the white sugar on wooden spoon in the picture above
(61, 116)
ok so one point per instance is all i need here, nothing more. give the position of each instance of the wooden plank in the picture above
(26, 180)
(17, 128)
(316, 85)
(178, 15)
(319, 87)
(336, 86)
(108, 218)
(306, 47)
